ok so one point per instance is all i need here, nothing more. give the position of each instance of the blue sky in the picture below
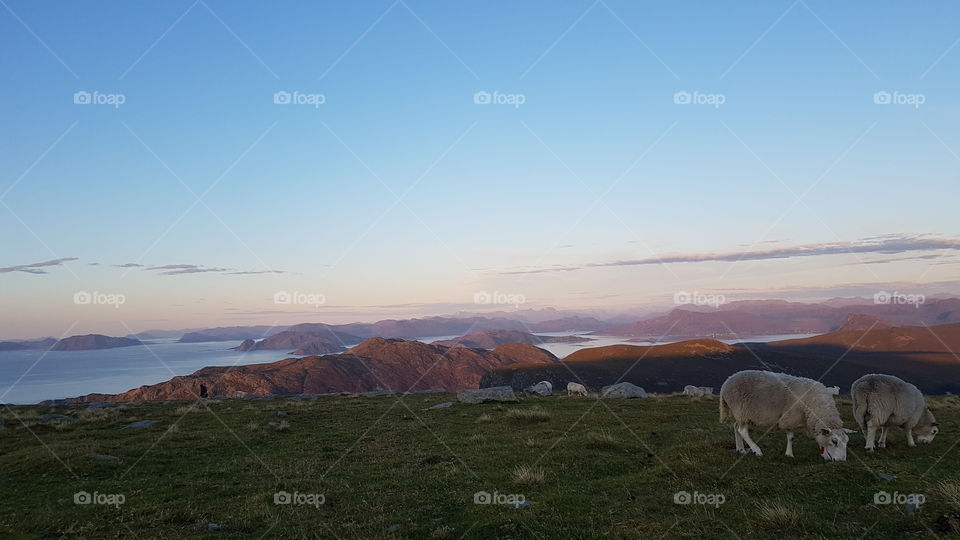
(311, 193)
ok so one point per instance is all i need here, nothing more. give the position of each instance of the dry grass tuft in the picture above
(484, 418)
(949, 492)
(527, 474)
(602, 439)
(531, 415)
(778, 515)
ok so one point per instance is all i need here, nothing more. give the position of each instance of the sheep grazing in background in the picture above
(833, 390)
(576, 389)
(766, 400)
(697, 391)
(885, 401)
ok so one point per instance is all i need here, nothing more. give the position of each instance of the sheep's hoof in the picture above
(743, 451)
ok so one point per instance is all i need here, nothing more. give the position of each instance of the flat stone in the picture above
(623, 390)
(443, 405)
(103, 457)
(481, 395)
(140, 424)
(58, 417)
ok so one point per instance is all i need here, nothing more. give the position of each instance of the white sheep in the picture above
(694, 391)
(833, 390)
(767, 400)
(576, 389)
(884, 401)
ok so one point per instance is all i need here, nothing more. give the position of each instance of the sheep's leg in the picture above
(909, 430)
(871, 435)
(745, 433)
(882, 443)
(739, 440)
(790, 443)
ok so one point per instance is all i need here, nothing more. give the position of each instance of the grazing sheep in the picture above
(707, 390)
(694, 391)
(884, 401)
(576, 389)
(833, 390)
(767, 400)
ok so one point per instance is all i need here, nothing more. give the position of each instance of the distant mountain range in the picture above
(770, 317)
(489, 339)
(92, 342)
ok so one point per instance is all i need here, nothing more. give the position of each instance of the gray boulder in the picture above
(542, 388)
(623, 390)
(481, 395)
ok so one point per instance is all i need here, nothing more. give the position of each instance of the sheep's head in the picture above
(833, 443)
(926, 433)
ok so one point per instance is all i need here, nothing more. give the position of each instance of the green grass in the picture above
(592, 469)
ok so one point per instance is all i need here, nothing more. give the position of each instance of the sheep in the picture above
(576, 389)
(764, 399)
(695, 391)
(833, 390)
(884, 401)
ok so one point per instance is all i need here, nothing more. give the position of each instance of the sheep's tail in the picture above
(859, 410)
(724, 411)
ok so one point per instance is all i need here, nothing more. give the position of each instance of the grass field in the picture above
(375, 467)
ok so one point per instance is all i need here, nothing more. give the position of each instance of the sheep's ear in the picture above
(824, 431)
(850, 430)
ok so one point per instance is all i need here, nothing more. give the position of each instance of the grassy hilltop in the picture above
(389, 469)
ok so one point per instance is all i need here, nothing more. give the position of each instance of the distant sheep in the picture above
(697, 391)
(576, 389)
(766, 400)
(884, 401)
(833, 390)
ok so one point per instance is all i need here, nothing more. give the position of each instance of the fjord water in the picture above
(31, 376)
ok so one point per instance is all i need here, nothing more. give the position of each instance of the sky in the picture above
(202, 163)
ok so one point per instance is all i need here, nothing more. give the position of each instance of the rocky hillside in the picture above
(303, 339)
(377, 363)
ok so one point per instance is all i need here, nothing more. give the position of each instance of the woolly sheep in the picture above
(884, 401)
(576, 389)
(767, 400)
(695, 391)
